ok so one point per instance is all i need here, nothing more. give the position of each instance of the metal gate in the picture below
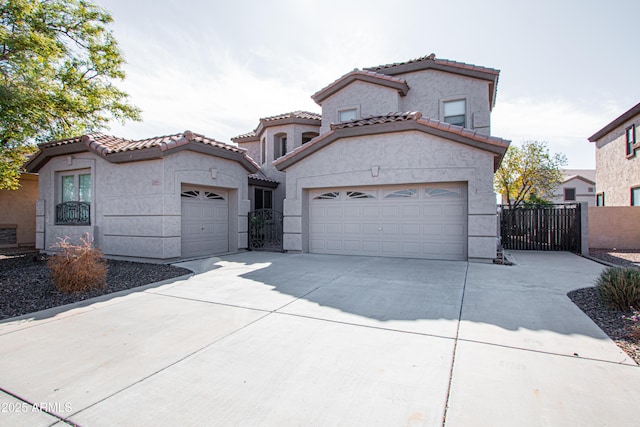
(265, 230)
(541, 228)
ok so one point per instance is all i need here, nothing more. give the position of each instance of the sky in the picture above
(567, 68)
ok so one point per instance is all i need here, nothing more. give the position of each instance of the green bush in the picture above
(77, 268)
(620, 287)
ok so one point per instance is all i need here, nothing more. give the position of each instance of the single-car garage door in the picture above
(205, 222)
(416, 221)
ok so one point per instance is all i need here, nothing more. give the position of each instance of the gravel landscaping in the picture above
(26, 286)
(610, 321)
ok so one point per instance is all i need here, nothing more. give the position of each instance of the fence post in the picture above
(584, 228)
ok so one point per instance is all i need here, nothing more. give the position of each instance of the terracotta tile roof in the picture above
(446, 130)
(248, 135)
(261, 177)
(107, 139)
(417, 116)
(432, 57)
(107, 145)
(373, 120)
(362, 75)
(269, 121)
(294, 115)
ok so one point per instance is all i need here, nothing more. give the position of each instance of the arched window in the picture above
(279, 145)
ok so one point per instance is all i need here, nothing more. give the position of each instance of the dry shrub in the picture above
(78, 267)
(620, 287)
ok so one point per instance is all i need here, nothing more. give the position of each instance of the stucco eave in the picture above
(128, 156)
(384, 128)
(285, 121)
(322, 95)
(42, 157)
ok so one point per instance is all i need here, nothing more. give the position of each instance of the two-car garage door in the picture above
(417, 221)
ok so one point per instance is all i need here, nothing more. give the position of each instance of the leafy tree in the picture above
(528, 173)
(58, 61)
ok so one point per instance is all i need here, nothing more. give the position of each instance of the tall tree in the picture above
(528, 172)
(58, 62)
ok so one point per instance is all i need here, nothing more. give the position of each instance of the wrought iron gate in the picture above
(541, 228)
(265, 230)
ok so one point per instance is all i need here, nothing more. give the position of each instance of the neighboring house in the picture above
(578, 185)
(403, 165)
(617, 164)
(18, 213)
(164, 198)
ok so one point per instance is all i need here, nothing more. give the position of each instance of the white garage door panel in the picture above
(423, 221)
(205, 222)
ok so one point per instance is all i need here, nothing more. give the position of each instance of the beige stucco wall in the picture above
(253, 149)
(404, 157)
(582, 192)
(367, 98)
(615, 174)
(430, 88)
(18, 210)
(136, 207)
(614, 227)
(294, 140)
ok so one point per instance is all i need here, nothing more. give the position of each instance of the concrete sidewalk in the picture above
(278, 339)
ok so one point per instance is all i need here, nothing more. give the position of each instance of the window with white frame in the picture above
(74, 207)
(263, 151)
(455, 112)
(346, 115)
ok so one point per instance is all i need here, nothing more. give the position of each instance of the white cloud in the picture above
(563, 124)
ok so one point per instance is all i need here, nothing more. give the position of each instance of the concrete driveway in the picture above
(317, 340)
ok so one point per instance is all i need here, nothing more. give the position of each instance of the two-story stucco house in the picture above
(617, 164)
(402, 167)
(399, 163)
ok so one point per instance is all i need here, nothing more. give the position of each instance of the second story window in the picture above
(600, 199)
(346, 115)
(279, 145)
(630, 139)
(455, 112)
